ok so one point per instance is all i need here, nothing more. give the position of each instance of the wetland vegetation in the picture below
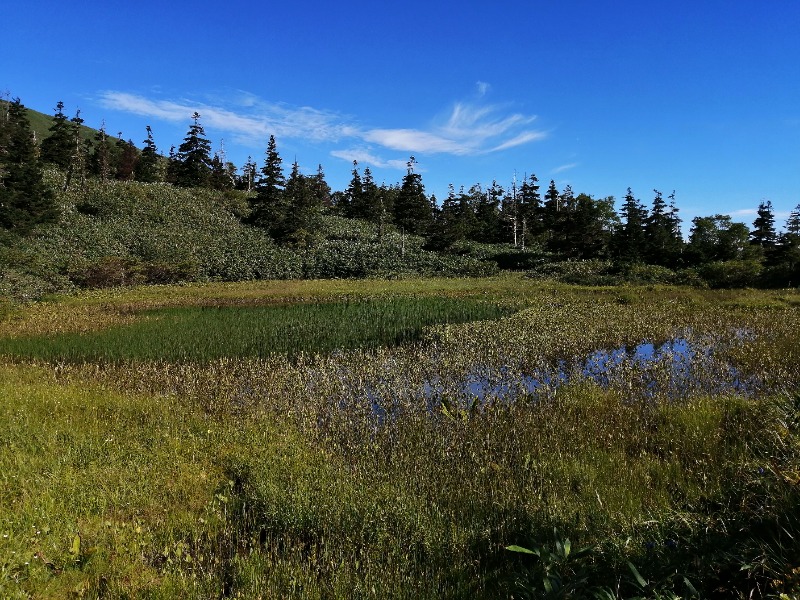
(302, 408)
(368, 468)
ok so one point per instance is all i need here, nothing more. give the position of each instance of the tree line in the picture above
(557, 224)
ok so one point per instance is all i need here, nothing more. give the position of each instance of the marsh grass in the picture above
(202, 334)
(274, 478)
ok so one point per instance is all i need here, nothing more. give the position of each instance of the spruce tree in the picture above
(663, 242)
(56, 148)
(590, 232)
(194, 157)
(630, 243)
(793, 222)
(25, 201)
(220, 178)
(147, 169)
(763, 233)
(247, 181)
(351, 205)
(449, 226)
(412, 210)
(173, 166)
(80, 153)
(267, 208)
(370, 200)
(102, 155)
(551, 214)
(487, 214)
(128, 160)
(302, 210)
(321, 189)
(530, 210)
(786, 254)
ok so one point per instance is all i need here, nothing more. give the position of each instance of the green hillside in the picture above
(126, 233)
(40, 125)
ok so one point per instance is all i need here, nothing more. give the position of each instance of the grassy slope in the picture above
(41, 123)
(123, 233)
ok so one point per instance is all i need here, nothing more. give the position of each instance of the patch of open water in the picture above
(672, 370)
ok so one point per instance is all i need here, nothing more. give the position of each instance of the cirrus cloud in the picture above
(467, 129)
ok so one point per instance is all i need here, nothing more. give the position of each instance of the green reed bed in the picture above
(208, 333)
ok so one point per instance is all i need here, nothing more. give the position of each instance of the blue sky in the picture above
(698, 97)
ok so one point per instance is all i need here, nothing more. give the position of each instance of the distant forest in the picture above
(534, 226)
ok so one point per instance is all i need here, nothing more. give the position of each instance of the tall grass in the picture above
(372, 473)
(209, 333)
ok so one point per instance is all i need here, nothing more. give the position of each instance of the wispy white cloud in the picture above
(260, 119)
(467, 129)
(366, 157)
(523, 138)
(414, 140)
(483, 87)
(563, 168)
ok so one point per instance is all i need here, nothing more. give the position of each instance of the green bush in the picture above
(585, 272)
(642, 273)
(731, 274)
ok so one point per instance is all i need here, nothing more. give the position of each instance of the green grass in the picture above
(209, 333)
(250, 477)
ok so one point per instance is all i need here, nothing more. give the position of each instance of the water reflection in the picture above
(673, 369)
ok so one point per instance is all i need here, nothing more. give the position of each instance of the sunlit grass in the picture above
(208, 333)
(343, 475)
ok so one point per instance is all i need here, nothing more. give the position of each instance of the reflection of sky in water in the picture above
(676, 369)
(672, 369)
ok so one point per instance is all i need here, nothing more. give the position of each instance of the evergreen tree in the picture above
(25, 201)
(303, 210)
(793, 222)
(102, 157)
(530, 210)
(663, 241)
(569, 229)
(786, 254)
(56, 148)
(487, 214)
(412, 210)
(351, 204)
(630, 244)
(147, 169)
(248, 179)
(588, 228)
(550, 214)
(445, 227)
(552, 199)
(80, 153)
(220, 177)
(128, 160)
(194, 157)
(173, 166)
(370, 198)
(763, 233)
(321, 189)
(563, 227)
(267, 208)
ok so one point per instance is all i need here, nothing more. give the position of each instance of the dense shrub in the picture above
(129, 233)
(586, 272)
(731, 274)
(642, 273)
